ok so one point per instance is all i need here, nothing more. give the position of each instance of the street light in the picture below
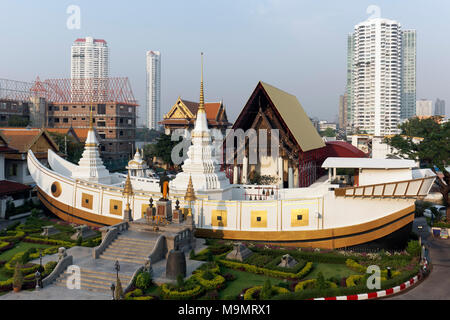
(117, 268)
(37, 275)
(113, 289)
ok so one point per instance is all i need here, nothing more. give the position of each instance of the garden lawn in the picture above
(21, 246)
(330, 270)
(244, 280)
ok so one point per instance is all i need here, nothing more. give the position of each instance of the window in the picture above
(101, 109)
(56, 120)
(121, 133)
(65, 120)
(56, 108)
(65, 108)
(258, 219)
(299, 217)
(74, 107)
(49, 108)
(13, 171)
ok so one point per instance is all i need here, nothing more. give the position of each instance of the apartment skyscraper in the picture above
(89, 60)
(408, 108)
(349, 88)
(153, 110)
(424, 108)
(439, 108)
(381, 76)
(343, 111)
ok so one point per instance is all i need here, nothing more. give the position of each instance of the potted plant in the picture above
(18, 278)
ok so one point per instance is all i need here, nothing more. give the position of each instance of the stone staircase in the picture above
(130, 250)
(97, 281)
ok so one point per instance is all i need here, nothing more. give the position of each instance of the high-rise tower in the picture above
(153, 110)
(408, 108)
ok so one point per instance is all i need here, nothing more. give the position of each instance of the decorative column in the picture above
(245, 169)
(235, 174)
(280, 172)
(290, 176)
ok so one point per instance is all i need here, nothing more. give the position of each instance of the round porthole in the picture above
(55, 189)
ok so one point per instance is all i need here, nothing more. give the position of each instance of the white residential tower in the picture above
(153, 110)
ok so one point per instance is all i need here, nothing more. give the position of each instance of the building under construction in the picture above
(66, 103)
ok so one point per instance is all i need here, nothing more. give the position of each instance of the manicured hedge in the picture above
(322, 257)
(302, 284)
(215, 283)
(5, 245)
(60, 243)
(268, 272)
(174, 294)
(13, 236)
(248, 295)
(352, 280)
(333, 292)
(275, 262)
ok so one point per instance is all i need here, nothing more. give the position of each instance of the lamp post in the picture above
(113, 289)
(37, 275)
(117, 268)
(151, 209)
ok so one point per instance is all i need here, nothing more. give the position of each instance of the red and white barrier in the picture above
(378, 294)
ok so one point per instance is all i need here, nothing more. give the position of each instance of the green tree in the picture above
(161, 149)
(16, 121)
(433, 150)
(329, 132)
(74, 149)
(266, 291)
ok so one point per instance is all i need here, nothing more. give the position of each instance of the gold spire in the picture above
(190, 193)
(201, 105)
(91, 123)
(128, 188)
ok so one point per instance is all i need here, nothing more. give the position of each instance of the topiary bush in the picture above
(413, 248)
(143, 280)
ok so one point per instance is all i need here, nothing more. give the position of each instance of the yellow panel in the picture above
(144, 209)
(299, 217)
(219, 218)
(259, 219)
(115, 207)
(87, 200)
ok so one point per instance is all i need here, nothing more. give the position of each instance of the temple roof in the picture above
(291, 114)
(184, 112)
(22, 139)
(295, 118)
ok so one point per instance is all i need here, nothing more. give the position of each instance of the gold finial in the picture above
(190, 193)
(201, 105)
(128, 188)
(91, 123)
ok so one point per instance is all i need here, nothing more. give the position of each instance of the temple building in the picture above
(183, 113)
(301, 149)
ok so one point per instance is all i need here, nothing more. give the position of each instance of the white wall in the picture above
(374, 176)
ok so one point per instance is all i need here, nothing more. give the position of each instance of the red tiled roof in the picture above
(212, 108)
(11, 187)
(343, 149)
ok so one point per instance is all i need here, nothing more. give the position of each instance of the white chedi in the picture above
(90, 167)
(201, 163)
(137, 166)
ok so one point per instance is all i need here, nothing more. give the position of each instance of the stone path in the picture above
(437, 285)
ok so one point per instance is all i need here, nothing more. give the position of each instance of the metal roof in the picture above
(368, 163)
(295, 118)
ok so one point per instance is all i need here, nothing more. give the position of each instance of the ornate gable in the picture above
(179, 111)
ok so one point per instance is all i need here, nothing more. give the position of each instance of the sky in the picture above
(298, 46)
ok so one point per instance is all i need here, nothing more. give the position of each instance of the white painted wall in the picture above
(374, 176)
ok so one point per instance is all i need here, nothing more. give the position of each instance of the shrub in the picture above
(355, 266)
(251, 294)
(118, 292)
(413, 248)
(172, 293)
(192, 254)
(268, 272)
(259, 260)
(314, 284)
(133, 294)
(208, 280)
(212, 295)
(353, 280)
(13, 226)
(266, 290)
(18, 277)
(180, 281)
(79, 241)
(143, 280)
(49, 266)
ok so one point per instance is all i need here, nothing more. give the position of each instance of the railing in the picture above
(415, 188)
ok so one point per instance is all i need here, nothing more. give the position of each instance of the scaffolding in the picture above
(92, 90)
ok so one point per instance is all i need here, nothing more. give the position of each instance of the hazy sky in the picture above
(297, 46)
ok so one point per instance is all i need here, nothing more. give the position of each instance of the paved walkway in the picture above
(437, 285)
